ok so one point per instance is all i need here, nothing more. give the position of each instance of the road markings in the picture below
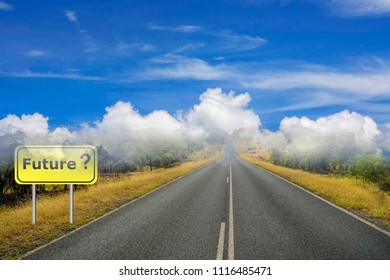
(227, 180)
(221, 242)
(113, 211)
(231, 225)
(326, 201)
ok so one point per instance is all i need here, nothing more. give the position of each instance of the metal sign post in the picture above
(34, 204)
(71, 204)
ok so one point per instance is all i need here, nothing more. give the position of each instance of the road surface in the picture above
(227, 210)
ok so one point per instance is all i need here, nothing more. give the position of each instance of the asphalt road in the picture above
(227, 210)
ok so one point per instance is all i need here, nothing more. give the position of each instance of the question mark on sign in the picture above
(88, 159)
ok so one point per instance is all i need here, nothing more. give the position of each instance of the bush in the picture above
(368, 168)
(373, 169)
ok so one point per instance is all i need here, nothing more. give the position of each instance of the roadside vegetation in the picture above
(373, 169)
(18, 235)
(146, 157)
(360, 187)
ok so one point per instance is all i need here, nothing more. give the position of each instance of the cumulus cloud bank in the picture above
(29, 124)
(219, 111)
(317, 145)
(343, 133)
(123, 131)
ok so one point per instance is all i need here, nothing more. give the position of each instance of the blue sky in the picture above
(69, 60)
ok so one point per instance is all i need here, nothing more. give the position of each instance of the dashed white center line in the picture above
(221, 242)
(231, 225)
(221, 239)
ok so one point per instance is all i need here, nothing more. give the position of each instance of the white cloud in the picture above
(362, 83)
(123, 49)
(355, 8)
(123, 131)
(71, 15)
(90, 46)
(320, 81)
(344, 132)
(186, 47)
(27, 124)
(217, 112)
(240, 42)
(50, 75)
(312, 100)
(147, 47)
(385, 138)
(4, 6)
(32, 129)
(303, 86)
(122, 117)
(223, 40)
(89, 43)
(35, 53)
(221, 111)
(181, 67)
(346, 8)
(61, 135)
(177, 28)
(341, 135)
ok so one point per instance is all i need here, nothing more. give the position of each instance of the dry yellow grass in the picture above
(343, 191)
(18, 235)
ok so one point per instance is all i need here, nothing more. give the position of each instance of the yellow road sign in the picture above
(67, 164)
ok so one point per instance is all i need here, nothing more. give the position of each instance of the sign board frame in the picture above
(93, 157)
(65, 148)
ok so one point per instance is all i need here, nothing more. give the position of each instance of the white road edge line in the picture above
(221, 241)
(111, 212)
(231, 225)
(326, 201)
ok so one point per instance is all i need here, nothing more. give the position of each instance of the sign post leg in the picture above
(34, 204)
(71, 204)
